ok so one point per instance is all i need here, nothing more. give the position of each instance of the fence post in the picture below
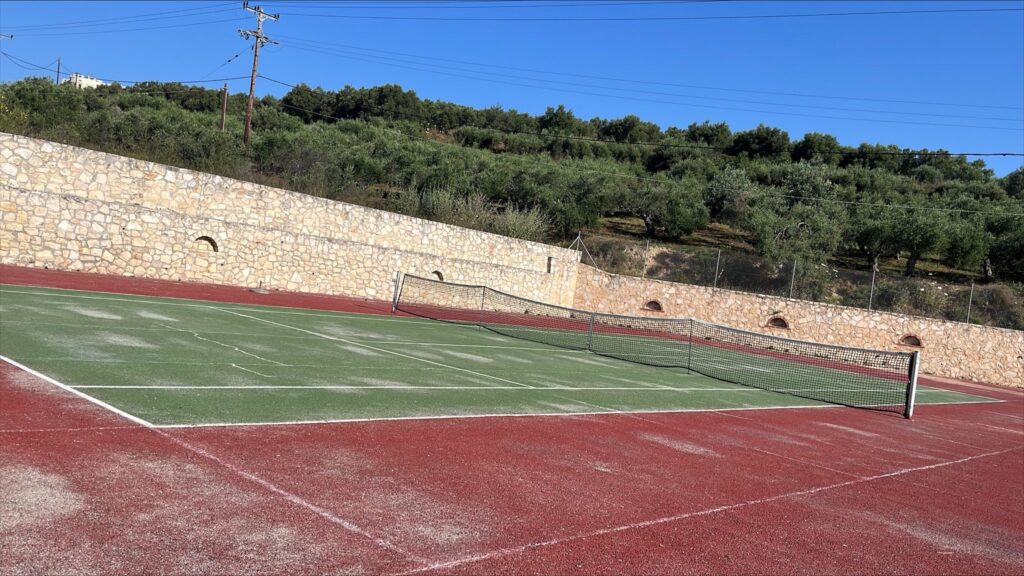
(792, 281)
(970, 301)
(483, 300)
(396, 290)
(718, 264)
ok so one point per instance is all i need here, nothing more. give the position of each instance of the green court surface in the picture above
(180, 362)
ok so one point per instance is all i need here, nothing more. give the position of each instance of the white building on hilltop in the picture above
(81, 81)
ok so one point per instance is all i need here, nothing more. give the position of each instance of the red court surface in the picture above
(787, 491)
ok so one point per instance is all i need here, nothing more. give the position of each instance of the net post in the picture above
(483, 299)
(689, 348)
(395, 291)
(915, 363)
(590, 333)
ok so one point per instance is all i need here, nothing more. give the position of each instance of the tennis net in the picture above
(835, 374)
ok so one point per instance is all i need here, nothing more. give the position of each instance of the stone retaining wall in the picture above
(75, 209)
(953, 349)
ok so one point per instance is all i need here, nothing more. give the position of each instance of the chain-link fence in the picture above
(992, 304)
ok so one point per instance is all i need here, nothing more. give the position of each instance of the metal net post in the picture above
(915, 363)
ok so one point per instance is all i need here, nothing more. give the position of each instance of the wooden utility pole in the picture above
(261, 39)
(224, 107)
(58, 70)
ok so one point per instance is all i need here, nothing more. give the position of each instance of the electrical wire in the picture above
(433, 5)
(648, 82)
(311, 46)
(660, 181)
(659, 101)
(656, 18)
(128, 19)
(119, 31)
(29, 65)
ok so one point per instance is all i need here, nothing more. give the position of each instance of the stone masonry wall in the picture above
(75, 209)
(952, 349)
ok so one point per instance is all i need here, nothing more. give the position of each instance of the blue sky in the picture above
(951, 80)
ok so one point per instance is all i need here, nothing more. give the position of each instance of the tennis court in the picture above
(173, 362)
(208, 433)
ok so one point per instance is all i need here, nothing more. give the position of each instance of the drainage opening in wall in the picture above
(653, 306)
(207, 244)
(778, 322)
(910, 340)
(437, 274)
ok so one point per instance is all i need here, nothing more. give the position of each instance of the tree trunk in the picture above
(651, 225)
(912, 264)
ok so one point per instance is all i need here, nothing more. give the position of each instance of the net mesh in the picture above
(835, 374)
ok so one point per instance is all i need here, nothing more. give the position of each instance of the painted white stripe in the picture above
(1000, 428)
(295, 499)
(231, 346)
(497, 415)
(159, 362)
(289, 496)
(375, 348)
(64, 430)
(412, 387)
(267, 308)
(443, 566)
(82, 395)
(242, 368)
(301, 337)
(524, 415)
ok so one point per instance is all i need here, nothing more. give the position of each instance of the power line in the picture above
(661, 181)
(376, 60)
(185, 13)
(118, 31)
(228, 61)
(29, 65)
(654, 83)
(713, 148)
(657, 18)
(433, 5)
(652, 92)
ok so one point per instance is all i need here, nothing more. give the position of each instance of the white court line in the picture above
(82, 395)
(231, 346)
(527, 415)
(289, 496)
(367, 346)
(248, 307)
(1000, 428)
(412, 387)
(246, 370)
(301, 337)
(295, 499)
(64, 430)
(466, 416)
(686, 515)
(159, 362)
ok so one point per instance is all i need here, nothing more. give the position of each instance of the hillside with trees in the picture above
(759, 194)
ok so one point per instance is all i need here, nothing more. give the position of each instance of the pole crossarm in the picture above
(261, 39)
